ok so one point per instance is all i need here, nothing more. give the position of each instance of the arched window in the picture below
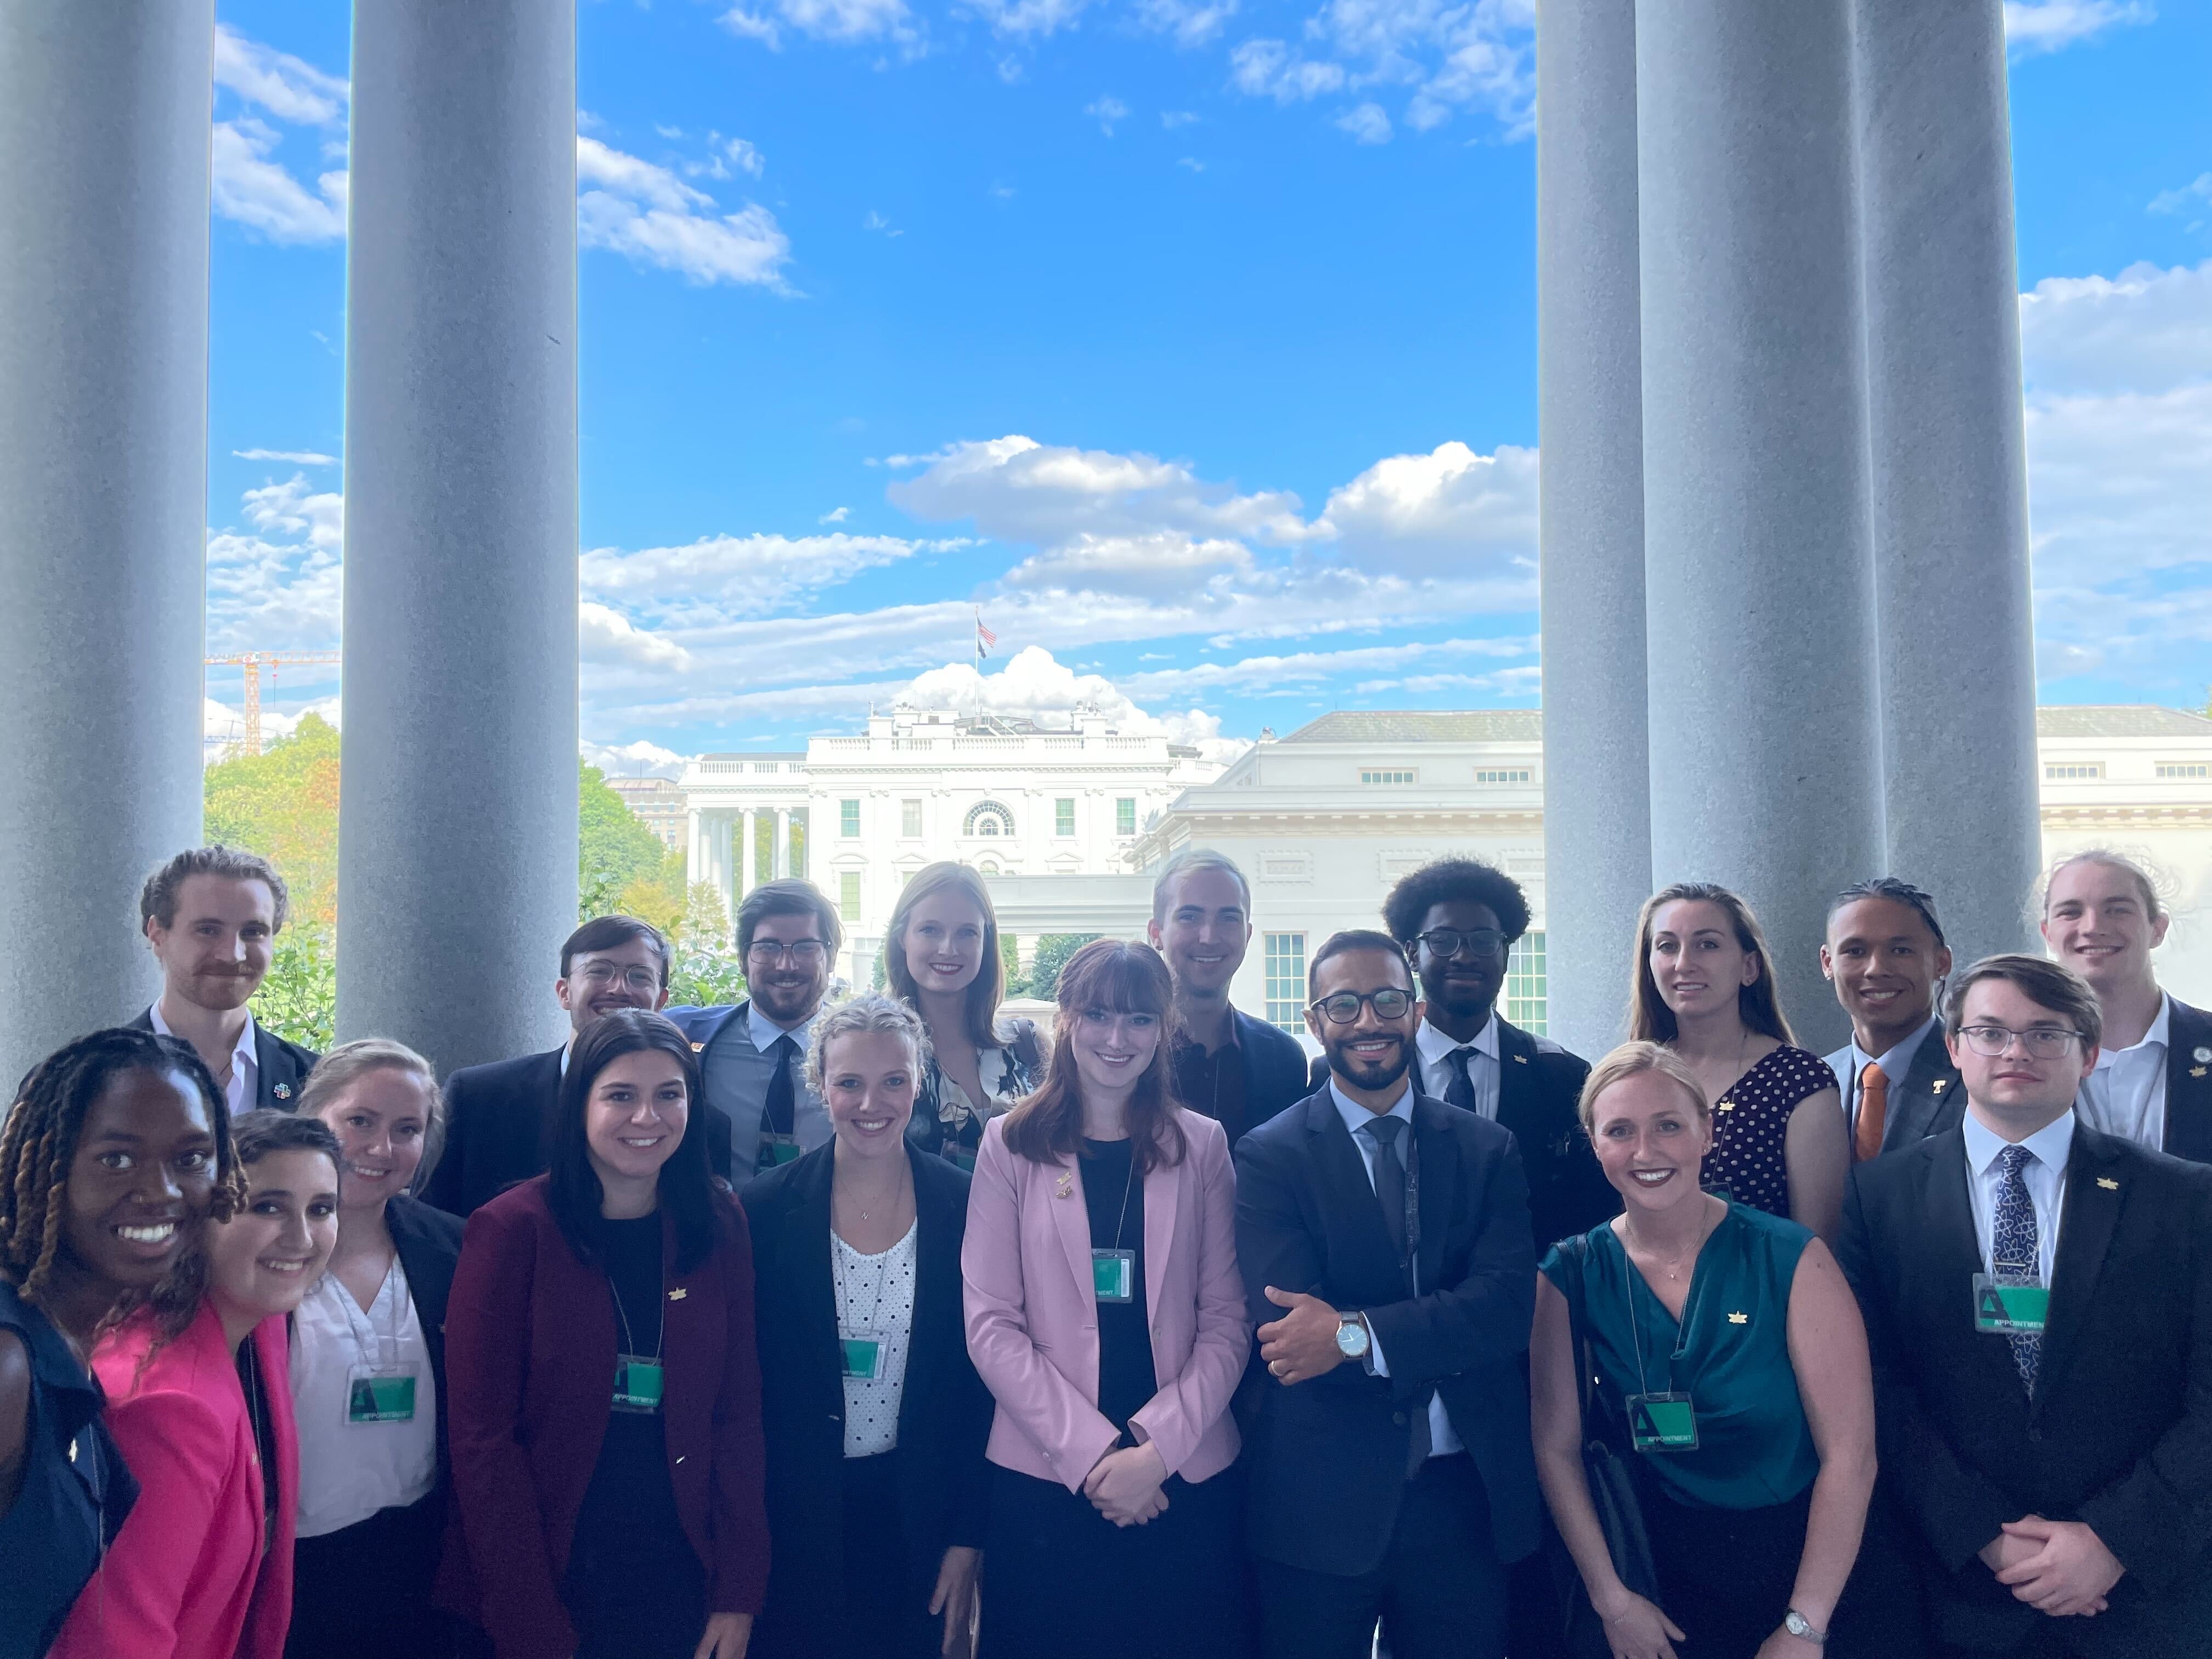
(988, 818)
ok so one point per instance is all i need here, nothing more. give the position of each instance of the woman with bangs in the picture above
(1106, 1315)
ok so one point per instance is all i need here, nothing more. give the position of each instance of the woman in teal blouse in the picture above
(1730, 1352)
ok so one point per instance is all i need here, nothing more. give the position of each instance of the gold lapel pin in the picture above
(677, 1294)
(1066, 1185)
(698, 1048)
(1725, 1106)
(2196, 1071)
(1937, 1087)
(1739, 1319)
(2108, 1183)
(1520, 1060)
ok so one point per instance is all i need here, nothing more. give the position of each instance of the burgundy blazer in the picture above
(530, 1368)
(188, 1576)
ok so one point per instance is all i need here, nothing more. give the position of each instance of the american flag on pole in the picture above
(985, 639)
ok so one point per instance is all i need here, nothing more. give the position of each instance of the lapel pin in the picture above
(1725, 1106)
(72, 1451)
(1520, 1060)
(283, 1091)
(698, 1048)
(1066, 1185)
(1739, 1319)
(2108, 1183)
(2204, 1054)
(2196, 1071)
(677, 1294)
(1937, 1087)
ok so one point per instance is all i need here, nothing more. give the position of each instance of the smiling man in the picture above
(2038, 1303)
(2153, 1080)
(1238, 1070)
(1885, 954)
(212, 915)
(1387, 1256)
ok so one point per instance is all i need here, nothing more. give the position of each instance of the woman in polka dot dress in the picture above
(875, 1417)
(1701, 986)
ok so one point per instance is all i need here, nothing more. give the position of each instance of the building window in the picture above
(1504, 775)
(1063, 818)
(910, 819)
(1524, 984)
(848, 819)
(2073, 771)
(1386, 774)
(848, 895)
(1286, 981)
(1125, 815)
(988, 818)
(2182, 770)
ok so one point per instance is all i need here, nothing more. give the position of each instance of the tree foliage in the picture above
(614, 849)
(283, 805)
(707, 970)
(1052, 954)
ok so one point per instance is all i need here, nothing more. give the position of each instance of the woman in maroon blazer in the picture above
(603, 1392)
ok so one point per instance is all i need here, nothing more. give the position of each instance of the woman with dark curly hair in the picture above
(116, 1150)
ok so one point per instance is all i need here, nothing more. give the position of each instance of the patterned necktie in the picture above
(2015, 1250)
(1459, 1091)
(778, 1110)
(1874, 1112)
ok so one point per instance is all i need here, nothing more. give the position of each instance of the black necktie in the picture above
(1459, 1091)
(777, 1113)
(1389, 1178)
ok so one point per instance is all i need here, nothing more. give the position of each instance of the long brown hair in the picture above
(988, 988)
(1118, 977)
(1650, 1019)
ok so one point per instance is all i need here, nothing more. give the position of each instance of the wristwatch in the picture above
(1802, 1627)
(1352, 1339)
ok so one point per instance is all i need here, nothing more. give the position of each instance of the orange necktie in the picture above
(1874, 1110)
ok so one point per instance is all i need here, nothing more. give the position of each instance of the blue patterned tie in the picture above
(2015, 1248)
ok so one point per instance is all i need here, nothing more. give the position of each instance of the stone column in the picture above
(780, 853)
(1765, 746)
(748, 847)
(1949, 486)
(458, 810)
(694, 845)
(104, 113)
(1597, 815)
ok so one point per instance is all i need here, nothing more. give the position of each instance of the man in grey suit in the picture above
(1885, 955)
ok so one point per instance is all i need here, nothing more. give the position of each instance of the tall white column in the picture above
(781, 866)
(103, 135)
(1949, 483)
(748, 846)
(725, 860)
(458, 810)
(1766, 747)
(1597, 815)
(694, 845)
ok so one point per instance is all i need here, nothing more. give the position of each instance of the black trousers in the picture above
(1725, 1575)
(1439, 1591)
(882, 1617)
(2138, 1626)
(363, 1592)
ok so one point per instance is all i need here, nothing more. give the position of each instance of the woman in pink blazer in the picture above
(1106, 1317)
(202, 1569)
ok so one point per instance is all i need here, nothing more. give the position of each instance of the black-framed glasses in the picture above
(1486, 944)
(1341, 1009)
(802, 952)
(2043, 1042)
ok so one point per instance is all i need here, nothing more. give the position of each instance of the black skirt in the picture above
(363, 1592)
(1725, 1575)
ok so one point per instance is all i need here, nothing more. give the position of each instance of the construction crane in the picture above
(253, 662)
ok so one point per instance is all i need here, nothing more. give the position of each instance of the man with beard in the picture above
(212, 915)
(499, 1117)
(1385, 1241)
(752, 1056)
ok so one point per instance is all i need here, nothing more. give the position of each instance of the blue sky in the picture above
(1192, 340)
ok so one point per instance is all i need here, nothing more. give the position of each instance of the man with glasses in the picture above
(498, 1116)
(2038, 1303)
(1387, 1256)
(752, 1055)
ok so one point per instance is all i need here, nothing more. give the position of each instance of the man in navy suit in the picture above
(1387, 1256)
(1238, 1070)
(1886, 955)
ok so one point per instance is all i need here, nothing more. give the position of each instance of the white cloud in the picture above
(2193, 201)
(260, 194)
(2039, 26)
(1106, 112)
(1406, 512)
(634, 760)
(1187, 22)
(275, 585)
(725, 156)
(741, 575)
(1190, 162)
(1300, 670)
(875, 222)
(293, 456)
(647, 214)
(2145, 330)
(285, 86)
(843, 23)
(1172, 119)
(1268, 69)
(1033, 20)
(1366, 123)
(606, 636)
(1035, 685)
(835, 515)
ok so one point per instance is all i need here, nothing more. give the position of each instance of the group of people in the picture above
(895, 1327)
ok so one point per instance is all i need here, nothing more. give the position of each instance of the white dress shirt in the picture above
(2043, 1174)
(765, 1031)
(1441, 1439)
(2124, 1094)
(1436, 1050)
(348, 1471)
(1894, 1065)
(243, 1092)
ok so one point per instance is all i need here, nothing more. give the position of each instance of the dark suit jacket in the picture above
(944, 1411)
(1929, 1100)
(1539, 1086)
(280, 1067)
(428, 1241)
(2189, 1084)
(2119, 1431)
(499, 1119)
(1274, 1067)
(1327, 1457)
(530, 1346)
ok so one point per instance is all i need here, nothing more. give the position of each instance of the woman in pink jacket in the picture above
(1106, 1317)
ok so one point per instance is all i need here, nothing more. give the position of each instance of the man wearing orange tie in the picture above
(1886, 957)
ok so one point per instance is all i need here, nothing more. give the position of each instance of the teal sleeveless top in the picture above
(1730, 1354)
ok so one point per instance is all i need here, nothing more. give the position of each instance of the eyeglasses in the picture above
(1482, 943)
(803, 953)
(2043, 1042)
(1344, 1007)
(600, 974)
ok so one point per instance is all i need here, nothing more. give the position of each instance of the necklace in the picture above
(898, 1192)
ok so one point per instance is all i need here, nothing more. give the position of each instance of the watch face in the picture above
(1351, 1338)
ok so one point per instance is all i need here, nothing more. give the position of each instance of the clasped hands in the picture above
(2057, 1567)
(1124, 1486)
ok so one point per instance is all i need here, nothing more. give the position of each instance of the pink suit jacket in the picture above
(188, 1576)
(1033, 1314)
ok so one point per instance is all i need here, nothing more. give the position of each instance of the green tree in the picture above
(706, 970)
(1052, 954)
(613, 846)
(299, 999)
(283, 805)
(1009, 957)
